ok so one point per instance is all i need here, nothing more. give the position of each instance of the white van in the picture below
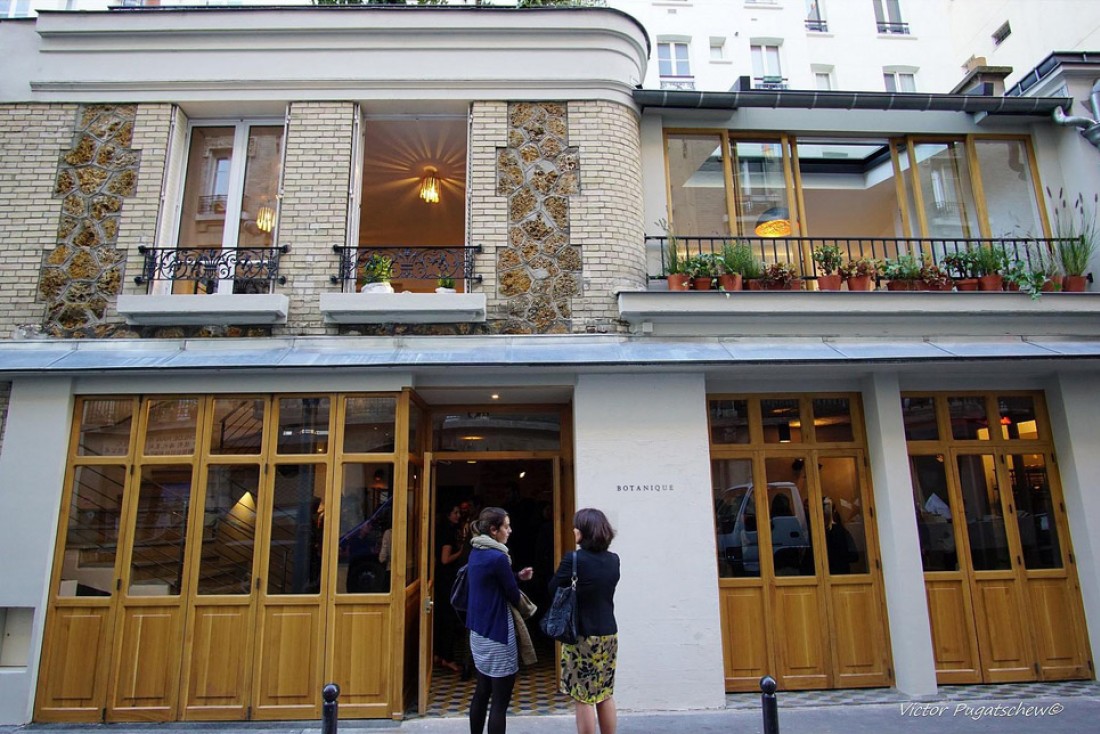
(735, 517)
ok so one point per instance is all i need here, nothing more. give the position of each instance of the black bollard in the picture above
(769, 704)
(328, 709)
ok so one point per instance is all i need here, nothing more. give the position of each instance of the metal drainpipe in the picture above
(1090, 129)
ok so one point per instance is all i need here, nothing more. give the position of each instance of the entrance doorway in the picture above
(529, 490)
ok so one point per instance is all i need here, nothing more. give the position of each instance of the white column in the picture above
(32, 471)
(642, 456)
(899, 545)
(1074, 405)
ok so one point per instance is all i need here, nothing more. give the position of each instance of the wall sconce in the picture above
(784, 430)
(429, 186)
(775, 222)
(265, 219)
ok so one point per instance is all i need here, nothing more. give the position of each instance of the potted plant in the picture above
(781, 277)
(445, 284)
(753, 274)
(934, 277)
(703, 269)
(1078, 236)
(676, 270)
(829, 260)
(962, 264)
(737, 264)
(860, 274)
(1028, 277)
(903, 273)
(376, 274)
(990, 261)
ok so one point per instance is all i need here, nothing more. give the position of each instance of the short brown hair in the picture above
(596, 531)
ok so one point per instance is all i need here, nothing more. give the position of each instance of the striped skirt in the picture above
(493, 658)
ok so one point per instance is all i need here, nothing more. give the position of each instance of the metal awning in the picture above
(809, 99)
(77, 357)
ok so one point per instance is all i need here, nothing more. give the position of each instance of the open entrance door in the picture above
(529, 489)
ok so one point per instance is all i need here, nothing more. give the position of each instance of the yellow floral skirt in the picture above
(588, 668)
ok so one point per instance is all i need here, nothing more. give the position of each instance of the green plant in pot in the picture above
(738, 265)
(860, 273)
(990, 262)
(903, 273)
(829, 260)
(780, 277)
(703, 269)
(934, 277)
(963, 266)
(1078, 236)
(676, 265)
(376, 274)
(445, 284)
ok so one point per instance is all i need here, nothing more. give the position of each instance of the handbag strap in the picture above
(574, 579)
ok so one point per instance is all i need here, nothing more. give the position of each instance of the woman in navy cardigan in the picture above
(492, 588)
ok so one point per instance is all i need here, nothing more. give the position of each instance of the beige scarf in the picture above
(526, 606)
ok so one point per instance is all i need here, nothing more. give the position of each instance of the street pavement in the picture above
(979, 714)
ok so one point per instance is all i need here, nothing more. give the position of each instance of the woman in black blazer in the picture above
(588, 668)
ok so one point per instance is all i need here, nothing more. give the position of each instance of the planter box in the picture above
(403, 308)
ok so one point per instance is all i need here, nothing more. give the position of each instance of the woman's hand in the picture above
(526, 574)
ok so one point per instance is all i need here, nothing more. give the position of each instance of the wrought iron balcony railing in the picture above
(769, 82)
(798, 251)
(818, 26)
(250, 269)
(901, 29)
(409, 262)
(678, 82)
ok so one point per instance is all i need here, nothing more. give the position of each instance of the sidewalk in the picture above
(1050, 708)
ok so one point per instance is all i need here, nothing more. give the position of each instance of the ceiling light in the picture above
(494, 396)
(522, 474)
(429, 186)
(265, 219)
(775, 222)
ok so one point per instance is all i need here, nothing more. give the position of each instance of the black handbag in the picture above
(560, 620)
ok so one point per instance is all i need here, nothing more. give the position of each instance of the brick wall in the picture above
(314, 209)
(488, 215)
(32, 139)
(606, 218)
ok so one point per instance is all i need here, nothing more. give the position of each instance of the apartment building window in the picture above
(888, 17)
(815, 16)
(674, 65)
(15, 8)
(899, 81)
(230, 194)
(718, 49)
(1002, 33)
(823, 81)
(766, 70)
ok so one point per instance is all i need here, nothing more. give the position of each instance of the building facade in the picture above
(235, 401)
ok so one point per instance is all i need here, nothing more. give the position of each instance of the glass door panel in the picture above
(792, 544)
(238, 426)
(985, 522)
(843, 516)
(229, 530)
(1035, 511)
(366, 535)
(160, 531)
(935, 522)
(735, 518)
(105, 427)
(297, 529)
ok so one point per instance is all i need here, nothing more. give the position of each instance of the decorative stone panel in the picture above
(82, 274)
(538, 272)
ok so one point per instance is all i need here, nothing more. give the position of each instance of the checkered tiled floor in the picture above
(1017, 691)
(536, 690)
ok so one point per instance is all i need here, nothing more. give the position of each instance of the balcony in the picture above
(201, 286)
(415, 272)
(898, 29)
(769, 82)
(678, 82)
(817, 26)
(813, 313)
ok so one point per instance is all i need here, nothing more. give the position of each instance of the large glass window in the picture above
(1008, 188)
(230, 197)
(760, 188)
(497, 431)
(949, 208)
(673, 59)
(698, 185)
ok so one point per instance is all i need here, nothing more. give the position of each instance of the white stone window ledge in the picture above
(249, 309)
(403, 308)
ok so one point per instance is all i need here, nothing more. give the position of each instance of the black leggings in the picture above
(500, 690)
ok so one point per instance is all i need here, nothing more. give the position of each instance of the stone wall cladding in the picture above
(32, 137)
(82, 273)
(606, 218)
(539, 268)
(313, 214)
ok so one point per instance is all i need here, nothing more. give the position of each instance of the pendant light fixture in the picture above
(775, 222)
(429, 186)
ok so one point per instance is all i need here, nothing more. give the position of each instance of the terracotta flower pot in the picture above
(1052, 285)
(991, 283)
(966, 284)
(902, 285)
(860, 283)
(828, 282)
(730, 282)
(756, 284)
(1074, 283)
(702, 283)
(794, 285)
(679, 282)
